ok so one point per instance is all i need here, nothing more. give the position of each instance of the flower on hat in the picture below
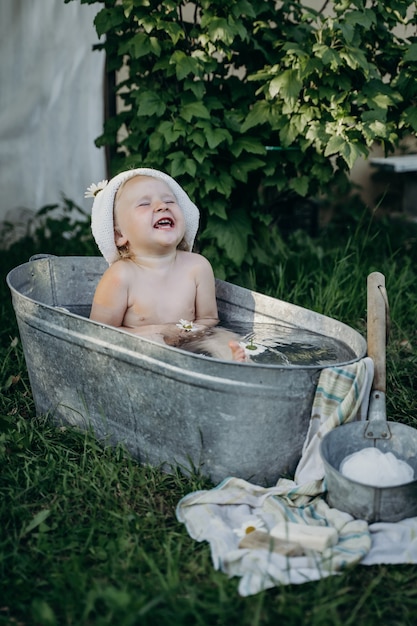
(94, 189)
(186, 325)
(249, 527)
(252, 348)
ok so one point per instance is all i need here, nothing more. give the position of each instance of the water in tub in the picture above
(277, 344)
(375, 468)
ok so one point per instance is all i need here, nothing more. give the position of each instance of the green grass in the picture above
(88, 536)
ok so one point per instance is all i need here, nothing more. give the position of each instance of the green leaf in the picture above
(141, 45)
(155, 46)
(198, 138)
(222, 183)
(288, 85)
(36, 521)
(327, 55)
(194, 109)
(356, 59)
(240, 169)
(231, 235)
(148, 22)
(294, 48)
(174, 31)
(382, 101)
(168, 131)
(197, 87)
(300, 185)
(348, 31)
(108, 19)
(180, 164)
(365, 18)
(376, 129)
(261, 113)
(128, 6)
(156, 142)
(215, 136)
(184, 64)
(218, 28)
(347, 150)
(218, 208)
(378, 95)
(247, 144)
(288, 134)
(42, 613)
(243, 7)
(410, 117)
(200, 155)
(411, 53)
(335, 145)
(352, 152)
(150, 103)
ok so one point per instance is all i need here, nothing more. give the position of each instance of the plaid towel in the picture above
(342, 395)
(214, 515)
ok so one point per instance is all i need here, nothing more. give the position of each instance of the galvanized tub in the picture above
(168, 407)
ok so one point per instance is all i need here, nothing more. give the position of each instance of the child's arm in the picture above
(111, 298)
(206, 313)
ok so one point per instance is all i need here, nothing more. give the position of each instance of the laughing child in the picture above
(155, 286)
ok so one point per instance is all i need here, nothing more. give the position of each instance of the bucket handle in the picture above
(377, 322)
(377, 317)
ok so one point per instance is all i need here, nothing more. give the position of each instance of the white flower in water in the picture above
(251, 348)
(186, 325)
(249, 527)
(94, 189)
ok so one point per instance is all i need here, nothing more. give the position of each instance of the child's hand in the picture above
(172, 335)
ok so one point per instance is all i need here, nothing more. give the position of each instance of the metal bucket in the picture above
(363, 501)
(167, 406)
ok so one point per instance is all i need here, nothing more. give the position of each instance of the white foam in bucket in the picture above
(373, 467)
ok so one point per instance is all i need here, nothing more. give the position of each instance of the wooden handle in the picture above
(376, 326)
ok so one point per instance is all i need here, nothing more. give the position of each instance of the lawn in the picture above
(89, 536)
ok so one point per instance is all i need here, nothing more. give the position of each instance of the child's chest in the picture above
(163, 301)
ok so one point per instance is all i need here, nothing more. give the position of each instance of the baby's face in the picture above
(147, 214)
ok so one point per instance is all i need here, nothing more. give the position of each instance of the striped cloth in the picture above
(342, 395)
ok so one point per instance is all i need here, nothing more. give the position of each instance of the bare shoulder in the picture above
(118, 273)
(192, 259)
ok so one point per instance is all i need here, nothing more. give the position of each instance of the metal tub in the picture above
(167, 406)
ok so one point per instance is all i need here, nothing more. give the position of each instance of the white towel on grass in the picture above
(342, 395)
(213, 515)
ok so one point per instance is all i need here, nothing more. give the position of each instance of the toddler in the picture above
(156, 287)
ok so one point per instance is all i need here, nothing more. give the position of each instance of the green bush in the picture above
(62, 229)
(251, 102)
(338, 84)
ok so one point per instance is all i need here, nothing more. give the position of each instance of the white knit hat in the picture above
(102, 216)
